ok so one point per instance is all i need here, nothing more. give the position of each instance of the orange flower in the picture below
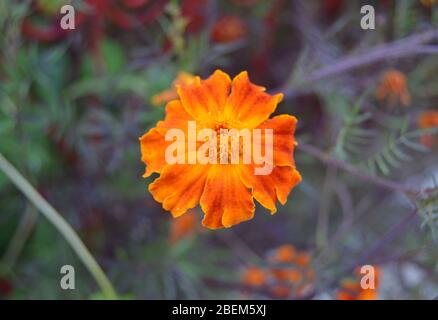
(351, 288)
(296, 276)
(393, 88)
(254, 276)
(284, 277)
(225, 192)
(303, 259)
(285, 253)
(183, 227)
(287, 274)
(229, 29)
(428, 119)
(182, 78)
(428, 3)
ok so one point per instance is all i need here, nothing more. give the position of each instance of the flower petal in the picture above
(225, 201)
(284, 143)
(267, 189)
(204, 99)
(248, 105)
(179, 187)
(153, 146)
(176, 118)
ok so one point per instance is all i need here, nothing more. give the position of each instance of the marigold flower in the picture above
(428, 3)
(283, 277)
(428, 119)
(393, 88)
(287, 274)
(183, 227)
(225, 192)
(351, 288)
(254, 276)
(303, 259)
(291, 272)
(285, 253)
(229, 29)
(165, 96)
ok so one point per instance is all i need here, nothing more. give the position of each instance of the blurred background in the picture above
(73, 104)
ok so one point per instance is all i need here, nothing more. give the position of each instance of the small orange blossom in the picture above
(285, 275)
(228, 29)
(393, 88)
(426, 120)
(254, 277)
(284, 253)
(165, 96)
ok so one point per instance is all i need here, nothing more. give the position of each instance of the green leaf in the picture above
(113, 56)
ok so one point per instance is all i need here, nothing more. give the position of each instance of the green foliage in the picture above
(394, 151)
(353, 136)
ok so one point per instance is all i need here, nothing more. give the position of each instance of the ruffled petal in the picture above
(267, 189)
(205, 99)
(179, 187)
(176, 118)
(225, 201)
(248, 105)
(153, 147)
(284, 143)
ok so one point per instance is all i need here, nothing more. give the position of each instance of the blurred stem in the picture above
(324, 209)
(412, 45)
(20, 237)
(352, 169)
(63, 227)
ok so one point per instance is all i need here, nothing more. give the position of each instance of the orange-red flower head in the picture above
(254, 277)
(393, 88)
(229, 29)
(426, 120)
(285, 253)
(285, 276)
(225, 191)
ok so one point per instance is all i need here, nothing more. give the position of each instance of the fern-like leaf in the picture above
(352, 137)
(396, 151)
